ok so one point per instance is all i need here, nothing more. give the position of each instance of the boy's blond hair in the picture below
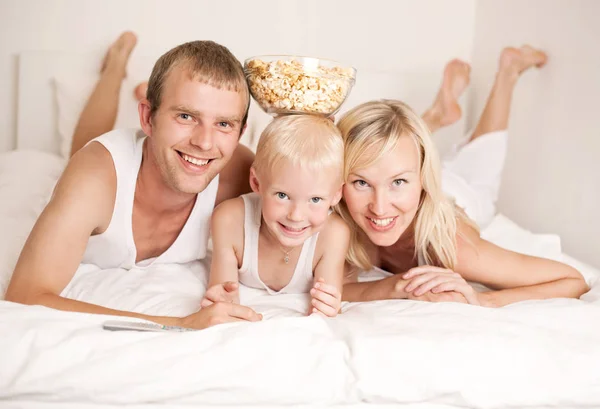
(309, 141)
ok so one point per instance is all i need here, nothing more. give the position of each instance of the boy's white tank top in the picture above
(301, 281)
(115, 247)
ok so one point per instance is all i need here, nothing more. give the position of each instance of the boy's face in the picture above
(296, 201)
(194, 132)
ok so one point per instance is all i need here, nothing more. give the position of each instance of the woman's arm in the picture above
(385, 289)
(513, 276)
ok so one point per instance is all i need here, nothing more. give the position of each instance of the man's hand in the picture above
(219, 313)
(325, 299)
(224, 292)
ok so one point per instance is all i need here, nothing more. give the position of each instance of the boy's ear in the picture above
(337, 196)
(254, 183)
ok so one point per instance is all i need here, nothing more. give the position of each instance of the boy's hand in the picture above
(224, 292)
(325, 299)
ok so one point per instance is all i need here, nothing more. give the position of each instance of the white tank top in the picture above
(115, 247)
(301, 281)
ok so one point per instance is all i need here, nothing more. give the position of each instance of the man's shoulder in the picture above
(88, 185)
(234, 178)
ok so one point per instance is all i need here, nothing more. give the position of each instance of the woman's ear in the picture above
(254, 182)
(144, 110)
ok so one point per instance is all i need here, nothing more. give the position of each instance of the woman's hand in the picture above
(224, 292)
(437, 280)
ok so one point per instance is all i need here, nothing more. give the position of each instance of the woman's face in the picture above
(383, 198)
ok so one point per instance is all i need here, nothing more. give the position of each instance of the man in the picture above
(127, 200)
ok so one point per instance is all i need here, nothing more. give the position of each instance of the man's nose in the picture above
(202, 137)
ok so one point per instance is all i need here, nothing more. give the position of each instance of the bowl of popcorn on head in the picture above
(285, 84)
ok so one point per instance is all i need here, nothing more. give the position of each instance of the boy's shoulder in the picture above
(229, 213)
(335, 229)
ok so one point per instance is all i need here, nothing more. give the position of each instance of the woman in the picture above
(406, 225)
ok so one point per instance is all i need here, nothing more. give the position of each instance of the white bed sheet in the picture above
(529, 354)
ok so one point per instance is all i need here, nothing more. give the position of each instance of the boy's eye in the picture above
(316, 200)
(281, 195)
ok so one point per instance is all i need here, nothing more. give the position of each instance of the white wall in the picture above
(414, 35)
(552, 178)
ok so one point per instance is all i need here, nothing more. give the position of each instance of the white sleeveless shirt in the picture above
(115, 247)
(302, 280)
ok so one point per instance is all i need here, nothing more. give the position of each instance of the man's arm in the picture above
(234, 180)
(81, 204)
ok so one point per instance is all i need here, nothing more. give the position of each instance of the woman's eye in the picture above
(399, 182)
(281, 195)
(316, 200)
(360, 183)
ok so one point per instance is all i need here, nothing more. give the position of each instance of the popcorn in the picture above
(289, 86)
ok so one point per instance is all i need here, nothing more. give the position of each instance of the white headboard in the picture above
(36, 104)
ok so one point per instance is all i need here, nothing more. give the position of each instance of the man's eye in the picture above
(281, 195)
(185, 117)
(224, 124)
(316, 200)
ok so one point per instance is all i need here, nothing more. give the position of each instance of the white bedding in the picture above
(529, 354)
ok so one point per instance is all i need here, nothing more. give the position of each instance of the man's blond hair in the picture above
(207, 62)
(308, 141)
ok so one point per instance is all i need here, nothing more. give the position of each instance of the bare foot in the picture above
(118, 53)
(445, 109)
(514, 61)
(140, 91)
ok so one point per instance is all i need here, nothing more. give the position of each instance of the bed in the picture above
(404, 353)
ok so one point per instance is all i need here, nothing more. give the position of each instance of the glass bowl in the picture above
(287, 84)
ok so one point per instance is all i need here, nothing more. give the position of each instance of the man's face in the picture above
(195, 131)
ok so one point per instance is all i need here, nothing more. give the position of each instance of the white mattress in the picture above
(414, 354)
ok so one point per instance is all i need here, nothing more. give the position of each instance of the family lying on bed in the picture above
(327, 201)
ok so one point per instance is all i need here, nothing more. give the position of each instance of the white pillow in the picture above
(72, 94)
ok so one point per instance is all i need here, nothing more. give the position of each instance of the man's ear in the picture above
(254, 183)
(144, 110)
(243, 130)
(337, 196)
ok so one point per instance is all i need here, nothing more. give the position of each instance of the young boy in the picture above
(283, 237)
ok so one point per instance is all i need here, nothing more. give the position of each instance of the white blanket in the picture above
(529, 354)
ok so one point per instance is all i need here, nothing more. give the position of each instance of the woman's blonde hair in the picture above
(370, 131)
(308, 141)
